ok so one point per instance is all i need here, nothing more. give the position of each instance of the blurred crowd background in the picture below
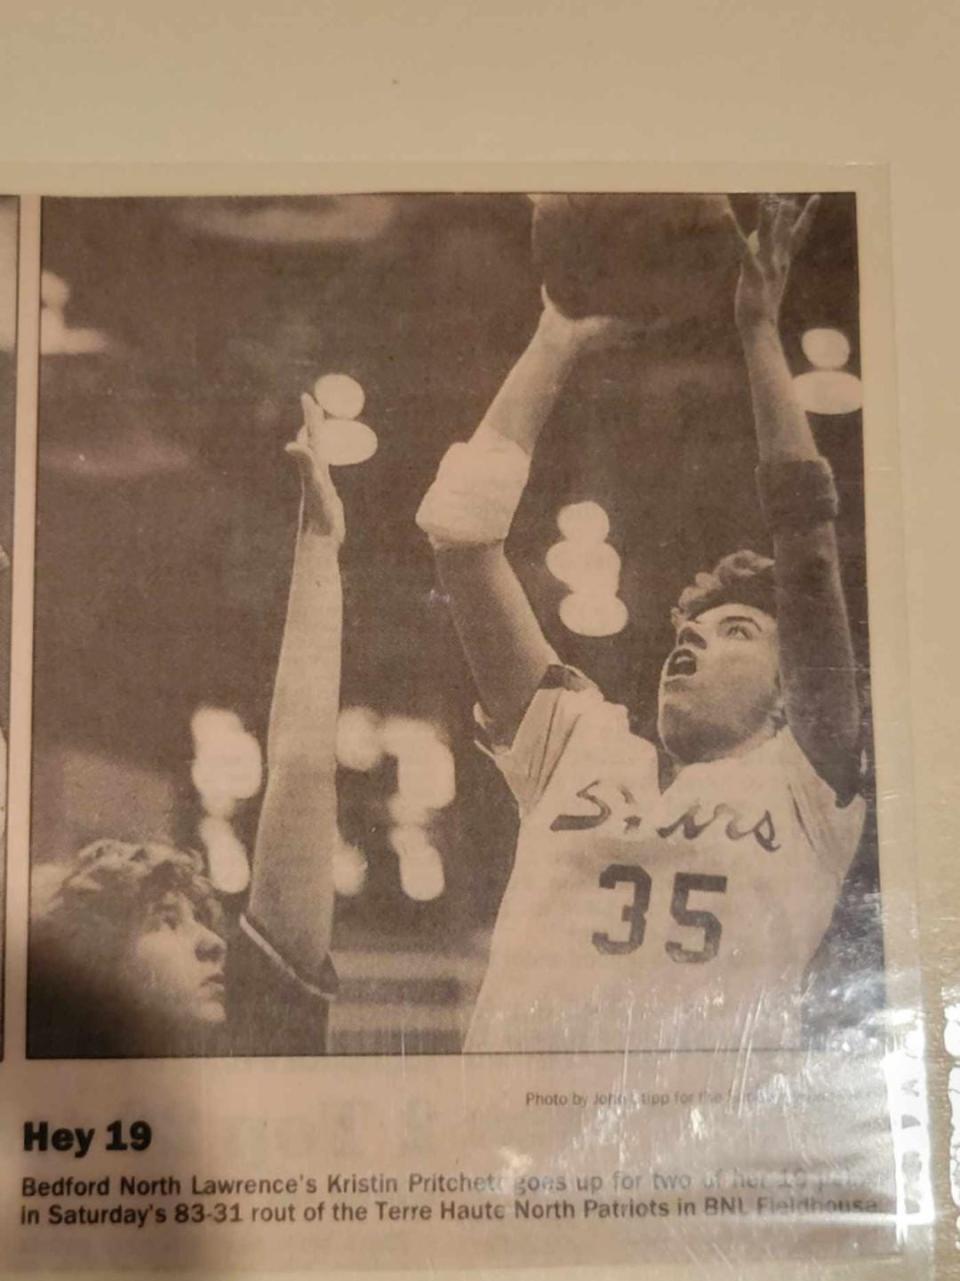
(177, 338)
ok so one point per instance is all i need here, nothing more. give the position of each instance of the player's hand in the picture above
(766, 256)
(322, 508)
(586, 333)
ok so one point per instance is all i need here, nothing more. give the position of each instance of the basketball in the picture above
(660, 259)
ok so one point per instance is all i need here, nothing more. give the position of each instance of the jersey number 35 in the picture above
(635, 912)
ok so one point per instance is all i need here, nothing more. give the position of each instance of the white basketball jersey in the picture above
(638, 919)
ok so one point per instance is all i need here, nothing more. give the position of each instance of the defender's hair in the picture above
(115, 883)
(80, 931)
(743, 578)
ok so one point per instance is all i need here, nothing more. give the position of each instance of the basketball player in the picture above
(129, 955)
(664, 896)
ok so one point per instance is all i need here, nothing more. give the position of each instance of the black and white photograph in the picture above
(450, 627)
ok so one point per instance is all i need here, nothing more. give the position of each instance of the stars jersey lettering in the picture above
(635, 918)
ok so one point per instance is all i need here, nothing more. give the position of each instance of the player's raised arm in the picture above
(469, 508)
(799, 499)
(291, 897)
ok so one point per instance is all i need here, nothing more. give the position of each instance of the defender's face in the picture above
(176, 965)
(720, 684)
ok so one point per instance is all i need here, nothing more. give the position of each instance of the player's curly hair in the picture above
(743, 578)
(83, 920)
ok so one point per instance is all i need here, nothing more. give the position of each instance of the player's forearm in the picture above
(817, 663)
(783, 430)
(527, 397)
(467, 514)
(291, 895)
(306, 696)
(291, 898)
(796, 488)
(816, 652)
(501, 637)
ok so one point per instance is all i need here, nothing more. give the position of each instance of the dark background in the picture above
(166, 513)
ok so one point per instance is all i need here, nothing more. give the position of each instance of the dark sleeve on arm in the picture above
(271, 1010)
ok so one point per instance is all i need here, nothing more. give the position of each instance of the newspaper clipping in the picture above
(453, 825)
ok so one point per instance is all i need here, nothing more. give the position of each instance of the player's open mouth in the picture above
(682, 662)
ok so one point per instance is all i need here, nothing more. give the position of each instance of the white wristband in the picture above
(476, 493)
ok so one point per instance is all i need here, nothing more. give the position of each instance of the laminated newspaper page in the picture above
(460, 789)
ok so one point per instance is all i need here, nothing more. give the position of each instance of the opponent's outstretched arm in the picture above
(291, 897)
(817, 666)
(468, 511)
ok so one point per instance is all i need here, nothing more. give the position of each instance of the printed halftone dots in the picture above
(421, 867)
(583, 522)
(582, 565)
(339, 395)
(342, 442)
(589, 615)
(359, 745)
(826, 348)
(829, 391)
(227, 864)
(349, 869)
